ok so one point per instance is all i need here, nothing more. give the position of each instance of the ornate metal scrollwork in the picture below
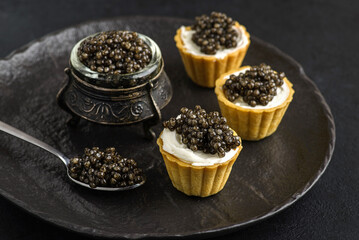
(113, 107)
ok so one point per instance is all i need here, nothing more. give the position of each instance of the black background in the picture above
(322, 36)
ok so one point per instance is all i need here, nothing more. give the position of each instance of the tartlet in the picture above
(251, 123)
(201, 181)
(198, 178)
(205, 69)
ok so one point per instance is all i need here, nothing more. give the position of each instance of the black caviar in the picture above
(105, 169)
(115, 52)
(214, 32)
(202, 131)
(258, 85)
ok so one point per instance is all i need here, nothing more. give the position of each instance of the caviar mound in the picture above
(204, 70)
(251, 123)
(257, 85)
(202, 131)
(214, 32)
(114, 52)
(105, 169)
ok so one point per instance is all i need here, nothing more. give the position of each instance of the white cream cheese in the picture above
(192, 48)
(282, 94)
(173, 145)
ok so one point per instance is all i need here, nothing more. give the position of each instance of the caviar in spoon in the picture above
(103, 187)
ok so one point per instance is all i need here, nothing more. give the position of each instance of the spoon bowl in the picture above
(24, 136)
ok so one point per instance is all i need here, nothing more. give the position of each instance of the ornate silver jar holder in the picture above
(117, 99)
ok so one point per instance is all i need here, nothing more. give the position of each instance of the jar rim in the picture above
(113, 80)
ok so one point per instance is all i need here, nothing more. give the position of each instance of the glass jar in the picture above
(116, 99)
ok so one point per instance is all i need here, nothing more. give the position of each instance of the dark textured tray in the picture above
(268, 176)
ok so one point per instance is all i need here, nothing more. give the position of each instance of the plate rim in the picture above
(206, 232)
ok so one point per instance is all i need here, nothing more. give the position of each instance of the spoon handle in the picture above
(20, 134)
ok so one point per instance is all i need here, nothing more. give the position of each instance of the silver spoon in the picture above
(19, 134)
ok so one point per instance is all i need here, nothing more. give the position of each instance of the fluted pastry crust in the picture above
(205, 70)
(251, 123)
(201, 181)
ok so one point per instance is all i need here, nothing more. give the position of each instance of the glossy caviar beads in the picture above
(257, 86)
(202, 131)
(214, 32)
(114, 52)
(105, 169)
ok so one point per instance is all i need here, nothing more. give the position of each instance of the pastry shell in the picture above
(251, 124)
(201, 181)
(204, 70)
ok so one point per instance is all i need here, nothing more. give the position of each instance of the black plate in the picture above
(268, 176)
